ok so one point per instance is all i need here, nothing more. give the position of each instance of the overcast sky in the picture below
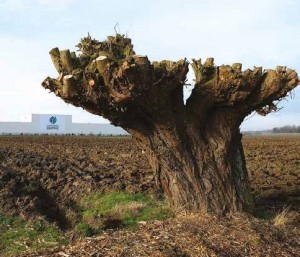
(258, 32)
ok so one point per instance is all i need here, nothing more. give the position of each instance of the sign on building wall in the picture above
(52, 123)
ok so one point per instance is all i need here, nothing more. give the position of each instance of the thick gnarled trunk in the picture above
(194, 148)
(199, 171)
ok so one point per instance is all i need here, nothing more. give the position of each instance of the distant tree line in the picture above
(287, 129)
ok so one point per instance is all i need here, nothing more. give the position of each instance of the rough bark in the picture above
(194, 148)
(204, 172)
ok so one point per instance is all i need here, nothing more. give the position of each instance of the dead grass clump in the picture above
(286, 217)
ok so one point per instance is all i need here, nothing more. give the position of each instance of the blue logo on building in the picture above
(53, 120)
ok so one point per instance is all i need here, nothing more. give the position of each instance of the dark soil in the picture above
(273, 164)
(47, 175)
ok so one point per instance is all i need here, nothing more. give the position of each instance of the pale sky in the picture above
(258, 32)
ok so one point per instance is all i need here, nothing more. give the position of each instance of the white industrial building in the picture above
(58, 124)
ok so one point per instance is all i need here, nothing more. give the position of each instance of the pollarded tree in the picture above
(195, 148)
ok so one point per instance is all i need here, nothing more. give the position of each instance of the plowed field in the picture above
(45, 176)
(41, 171)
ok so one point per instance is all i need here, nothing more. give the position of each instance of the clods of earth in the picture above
(47, 177)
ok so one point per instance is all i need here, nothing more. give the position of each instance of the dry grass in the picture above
(286, 217)
(134, 208)
(190, 236)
